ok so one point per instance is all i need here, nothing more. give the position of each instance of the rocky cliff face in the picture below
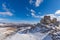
(47, 20)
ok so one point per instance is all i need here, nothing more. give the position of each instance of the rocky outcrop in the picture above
(47, 20)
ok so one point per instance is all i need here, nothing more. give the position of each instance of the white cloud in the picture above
(31, 1)
(51, 15)
(4, 20)
(1, 19)
(32, 11)
(57, 12)
(7, 11)
(33, 14)
(38, 2)
(55, 15)
(5, 7)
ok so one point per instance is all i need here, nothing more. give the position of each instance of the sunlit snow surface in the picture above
(26, 34)
(35, 36)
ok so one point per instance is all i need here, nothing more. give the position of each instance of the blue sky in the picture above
(29, 11)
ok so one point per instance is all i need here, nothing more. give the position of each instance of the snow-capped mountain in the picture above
(45, 30)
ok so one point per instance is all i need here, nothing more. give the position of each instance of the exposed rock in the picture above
(46, 20)
(54, 20)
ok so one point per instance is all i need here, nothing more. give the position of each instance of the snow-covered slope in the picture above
(27, 33)
(34, 36)
(30, 34)
(5, 32)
